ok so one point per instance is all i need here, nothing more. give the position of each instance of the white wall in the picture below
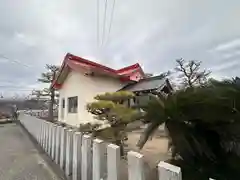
(85, 87)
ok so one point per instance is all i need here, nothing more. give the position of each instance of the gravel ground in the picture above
(20, 159)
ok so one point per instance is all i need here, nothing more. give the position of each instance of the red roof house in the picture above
(80, 80)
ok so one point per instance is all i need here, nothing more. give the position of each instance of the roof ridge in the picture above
(136, 65)
(90, 62)
(155, 77)
(70, 59)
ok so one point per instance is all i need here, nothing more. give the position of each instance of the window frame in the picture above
(73, 104)
(63, 103)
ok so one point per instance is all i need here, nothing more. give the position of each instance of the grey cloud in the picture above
(153, 33)
(229, 45)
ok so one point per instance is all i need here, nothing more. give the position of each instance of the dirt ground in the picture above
(154, 151)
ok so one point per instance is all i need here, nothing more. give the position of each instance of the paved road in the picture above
(20, 159)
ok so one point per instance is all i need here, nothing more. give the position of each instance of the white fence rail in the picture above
(82, 157)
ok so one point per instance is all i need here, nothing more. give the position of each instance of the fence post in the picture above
(86, 165)
(58, 139)
(69, 152)
(169, 172)
(50, 139)
(42, 133)
(54, 127)
(113, 162)
(77, 143)
(99, 164)
(32, 129)
(135, 166)
(63, 147)
(39, 132)
(46, 136)
(36, 129)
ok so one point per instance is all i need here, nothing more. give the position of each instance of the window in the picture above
(72, 104)
(63, 103)
(62, 108)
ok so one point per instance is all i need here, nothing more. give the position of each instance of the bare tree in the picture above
(48, 77)
(190, 73)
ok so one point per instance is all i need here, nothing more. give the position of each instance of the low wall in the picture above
(82, 157)
(42, 114)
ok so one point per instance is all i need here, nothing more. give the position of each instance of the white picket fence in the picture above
(82, 157)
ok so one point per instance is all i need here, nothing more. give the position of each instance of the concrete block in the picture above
(69, 153)
(169, 172)
(113, 162)
(77, 144)
(99, 160)
(86, 166)
(63, 147)
(135, 166)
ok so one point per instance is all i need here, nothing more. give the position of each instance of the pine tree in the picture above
(48, 77)
(110, 107)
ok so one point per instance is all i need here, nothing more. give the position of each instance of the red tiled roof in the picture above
(75, 62)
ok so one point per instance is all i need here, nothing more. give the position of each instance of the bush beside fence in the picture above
(82, 157)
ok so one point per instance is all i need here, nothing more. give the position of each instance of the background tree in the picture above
(48, 77)
(190, 73)
(109, 108)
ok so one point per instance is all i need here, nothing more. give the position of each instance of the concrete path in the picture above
(20, 159)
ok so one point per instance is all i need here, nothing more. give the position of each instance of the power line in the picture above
(8, 87)
(97, 23)
(14, 61)
(14, 90)
(104, 21)
(111, 19)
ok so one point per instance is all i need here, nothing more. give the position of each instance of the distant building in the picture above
(237, 81)
(80, 80)
(142, 88)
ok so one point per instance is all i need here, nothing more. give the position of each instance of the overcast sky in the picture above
(151, 32)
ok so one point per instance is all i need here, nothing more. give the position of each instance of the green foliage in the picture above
(108, 107)
(89, 128)
(115, 114)
(109, 134)
(116, 96)
(48, 77)
(203, 123)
